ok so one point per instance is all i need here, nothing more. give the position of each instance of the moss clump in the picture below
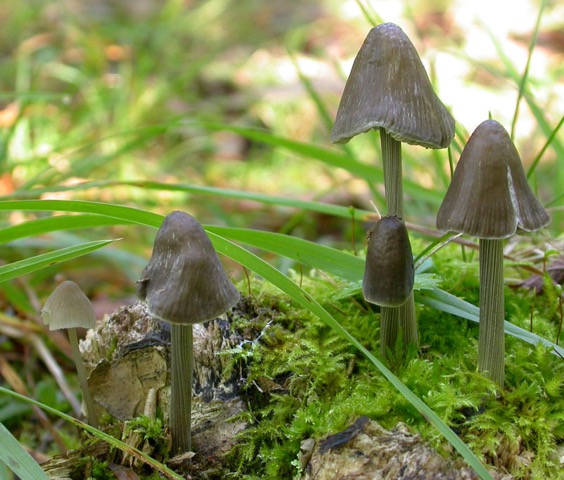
(305, 381)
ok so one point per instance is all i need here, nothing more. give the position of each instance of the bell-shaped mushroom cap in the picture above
(184, 282)
(388, 272)
(68, 307)
(489, 196)
(389, 88)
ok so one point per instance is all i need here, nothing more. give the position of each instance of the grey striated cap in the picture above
(388, 272)
(68, 307)
(489, 196)
(184, 282)
(388, 88)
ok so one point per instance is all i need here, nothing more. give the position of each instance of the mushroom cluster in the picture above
(489, 197)
(389, 90)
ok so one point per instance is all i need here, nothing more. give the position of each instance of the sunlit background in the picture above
(143, 91)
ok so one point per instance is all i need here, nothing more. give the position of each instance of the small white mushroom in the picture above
(69, 308)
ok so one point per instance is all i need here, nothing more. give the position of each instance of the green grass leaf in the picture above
(551, 138)
(28, 265)
(118, 212)
(17, 459)
(445, 302)
(55, 224)
(524, 78)
(330, 260)
(326, 208)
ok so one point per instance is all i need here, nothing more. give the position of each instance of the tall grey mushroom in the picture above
(69, 308)
(389, 90)
(184, 283)
(489, 198)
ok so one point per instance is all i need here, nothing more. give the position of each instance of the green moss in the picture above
(150, 431)
(305, 381)
(100, 470)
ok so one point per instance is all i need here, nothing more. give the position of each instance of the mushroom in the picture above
(184, 283)
(389, 90)
(388, 273)
(489, 198)
(68, 308)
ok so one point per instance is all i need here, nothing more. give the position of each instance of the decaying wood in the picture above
(128, 355)
(75, 463)
(366, 451)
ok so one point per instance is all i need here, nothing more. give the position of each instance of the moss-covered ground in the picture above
(305, 381)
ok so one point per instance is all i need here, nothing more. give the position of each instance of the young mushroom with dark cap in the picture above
(68, 307)
(389, 90)
(184, 283)
(388, 272)
(489, 198)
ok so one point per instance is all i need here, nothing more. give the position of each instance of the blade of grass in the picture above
(132, 215)
(28, 265)
(433, 247)
(17, 459)
(130, 263)
(512, 73)
(444, 301)
(525, 76)
(559, 200)
(326, 208)
(329, 157)
(331, 260)
(114, 442)
(372, 20)
(544, 148)
(336, 262)
(54, 224)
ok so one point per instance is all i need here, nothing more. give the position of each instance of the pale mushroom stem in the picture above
(91, 412)
(393, 187)
(491, 338)
(404, 320)
(408, 322)
(182, 367)
(389, 320)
